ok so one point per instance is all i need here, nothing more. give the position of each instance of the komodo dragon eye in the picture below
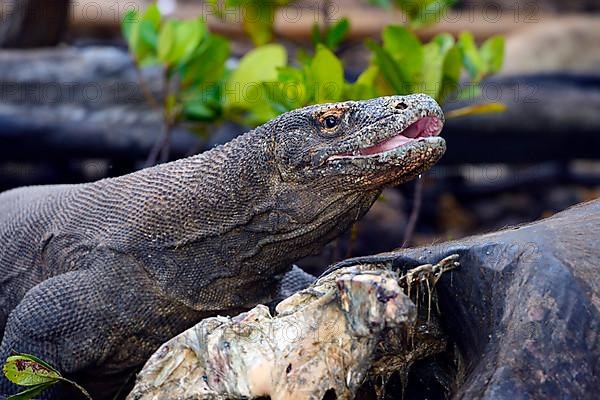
(331, 121)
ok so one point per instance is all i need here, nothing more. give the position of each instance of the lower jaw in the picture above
(422, 129)
(397, 166)
(425, 147)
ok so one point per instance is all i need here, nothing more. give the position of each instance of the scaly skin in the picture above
(94, 277)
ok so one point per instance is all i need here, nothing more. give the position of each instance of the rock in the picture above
(524, 308)
(77, 103)
(566, 44)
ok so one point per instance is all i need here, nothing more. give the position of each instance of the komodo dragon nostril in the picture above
(400, 105)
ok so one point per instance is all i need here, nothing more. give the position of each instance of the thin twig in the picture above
(414, 215)
(146, 91)
(352, 239)
(166, 146)
(162, 145)
(80, 388)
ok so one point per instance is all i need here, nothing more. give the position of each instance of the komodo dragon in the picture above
(95, 277)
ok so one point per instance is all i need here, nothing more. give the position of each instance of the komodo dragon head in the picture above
(360, 144)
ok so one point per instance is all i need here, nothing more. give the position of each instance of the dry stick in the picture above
(146, 89)
(166, 146)
(159, 145)
(414, 215)
(163, 143)
(461, 112)
(352, 239)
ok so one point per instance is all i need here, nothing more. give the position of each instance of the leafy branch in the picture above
(257, 16)
(192, 64)
(37, 375)
(199, 86)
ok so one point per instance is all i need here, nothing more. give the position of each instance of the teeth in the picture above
(417, 131)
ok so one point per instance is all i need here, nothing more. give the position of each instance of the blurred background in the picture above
(95, 89)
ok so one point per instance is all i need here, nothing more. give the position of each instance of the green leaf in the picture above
(492, 54)
(130, 20)
(290, 75)
(149, 26)
(326, 73)
(27, 370)
(177, 40)
(149, 34)
(315, 35)
(476, 109)
(381, 3)
(166, 40)
(277, 96)
(31, 392)
(450, 73)
(202, 103)
(429, 12)
(199, 111)
(401, 43)
(38, 360)
(439, 70)
(152, 16)
(257, 16)
(258, 20)
(368, 76)
(244, 87)
(290, 91)
(337, 33)
(432, 69)
(364, 87)
(189, 34)
(407, 52)
(470, 56)
(445, 41)
(389, 69)
(207, 64)
(409, 7)
(303, 58)
(141, 34)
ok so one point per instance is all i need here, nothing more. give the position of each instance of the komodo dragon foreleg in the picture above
(102, 323)
(103, 333)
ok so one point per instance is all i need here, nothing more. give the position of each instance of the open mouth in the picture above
(420, 129)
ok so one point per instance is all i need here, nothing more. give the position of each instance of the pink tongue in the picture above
(425, 127)
(389, 144)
